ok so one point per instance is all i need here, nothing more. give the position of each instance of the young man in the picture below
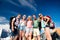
(14, 22)
(36, 32)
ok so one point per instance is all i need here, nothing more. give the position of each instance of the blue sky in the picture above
(10, 8)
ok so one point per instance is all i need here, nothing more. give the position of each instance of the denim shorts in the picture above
(22, 28)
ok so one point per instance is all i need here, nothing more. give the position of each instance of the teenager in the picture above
(22, 28)
(14, 22)
(41, 25)
(47, 20)
(29, 28)
(36, 32)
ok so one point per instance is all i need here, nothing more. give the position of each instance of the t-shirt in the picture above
(35, 24)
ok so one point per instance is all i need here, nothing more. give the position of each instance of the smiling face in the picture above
(34, 16)
(24, 16)
(40, 16)
(18, 16)
(29, 18)
(45, 19)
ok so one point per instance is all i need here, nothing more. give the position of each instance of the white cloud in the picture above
(14, 3)
(3, 20)
(33, 2)
(26, 3)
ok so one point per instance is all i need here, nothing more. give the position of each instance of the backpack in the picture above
(11, 18)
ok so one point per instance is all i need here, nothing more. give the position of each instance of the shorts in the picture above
(28, 30)
(36, 32)
(14, 33)
(22, 28)
(51, 31)
(42, 31)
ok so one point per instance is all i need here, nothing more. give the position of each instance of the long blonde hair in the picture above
(29, 18)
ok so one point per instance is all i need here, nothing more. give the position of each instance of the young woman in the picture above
(22, 28)
(47, 20)
(41, 26)
(29, 28)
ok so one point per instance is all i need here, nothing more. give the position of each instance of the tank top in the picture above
(42, 24)
(29, 24)
(22, 23)
(17, 22)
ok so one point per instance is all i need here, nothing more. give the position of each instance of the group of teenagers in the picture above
(28, 27)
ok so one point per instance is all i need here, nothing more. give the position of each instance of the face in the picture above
(29, 18)
(45, 18)
(34, 16)
(40, 16)
(19, 16)
(24, 16)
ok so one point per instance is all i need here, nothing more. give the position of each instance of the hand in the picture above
(12, 29)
